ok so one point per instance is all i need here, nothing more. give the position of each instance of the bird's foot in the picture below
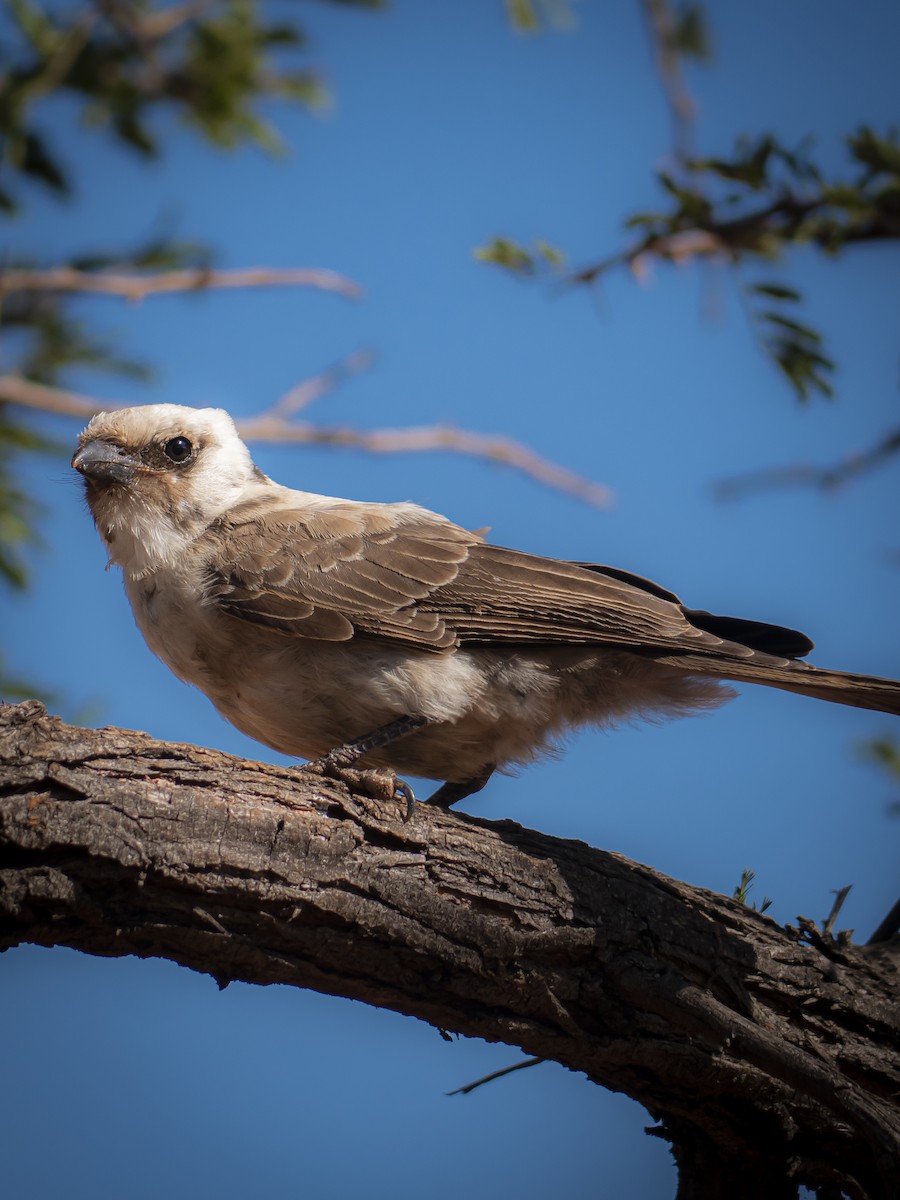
(380, 783)
(377, 782)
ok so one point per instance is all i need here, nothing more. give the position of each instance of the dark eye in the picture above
(178, 449)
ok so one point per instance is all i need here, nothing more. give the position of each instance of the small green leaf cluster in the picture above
(538, 258)
(742, 892)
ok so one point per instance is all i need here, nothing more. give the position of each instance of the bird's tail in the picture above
(839, 687)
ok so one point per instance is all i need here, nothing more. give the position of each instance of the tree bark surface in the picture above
(771, 1056)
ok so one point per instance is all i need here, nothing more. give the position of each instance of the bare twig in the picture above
(270, 427)
(840, 896)
(194, 279)
(668, 65)
(477, 1083)
(679, 247)
(309, 390)
(58, 64)
(158, 24)
(28, 394)
(428, 438)
(804, 475)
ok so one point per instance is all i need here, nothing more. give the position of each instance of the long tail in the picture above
(839, 687)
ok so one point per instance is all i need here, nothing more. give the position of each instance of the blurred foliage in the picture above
(127, 65)
(690, 34)
(125, 61)
(519, 259)
(529, 16)
(754, 207)
(884, 753)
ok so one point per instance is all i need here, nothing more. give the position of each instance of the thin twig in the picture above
(158, 24)
(840, 895)
(312, 389)
(193, 279)
(429, 438)
(28, 394)
(477, 1083)
(271, 428)
(57, 66)
(804, 475)
(682, 105)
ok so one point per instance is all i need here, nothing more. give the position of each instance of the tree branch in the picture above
(804, 475)
(682, 106)
(765, 1056)
(272, 426)
(193, 279)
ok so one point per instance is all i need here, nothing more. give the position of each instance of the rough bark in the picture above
(770, 1056)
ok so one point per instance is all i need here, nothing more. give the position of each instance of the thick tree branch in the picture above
(764, 1055)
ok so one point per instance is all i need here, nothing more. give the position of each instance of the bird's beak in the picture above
(104, 462)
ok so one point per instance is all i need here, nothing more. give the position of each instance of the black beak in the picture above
(104, 462)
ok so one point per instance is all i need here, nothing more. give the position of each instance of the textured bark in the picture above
(770, 1056)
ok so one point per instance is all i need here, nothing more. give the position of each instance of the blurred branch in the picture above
(273, 426)
(802, 475)
(153, 24)
(195, 279)
(747, 209)
(309, 390)
(664, 29)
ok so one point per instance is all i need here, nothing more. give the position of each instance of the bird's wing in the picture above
(413, 578)
(506, 596)
(330, 572)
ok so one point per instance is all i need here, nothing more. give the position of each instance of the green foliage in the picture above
(125, 61)
(528, 16)
(795, 347)
(884, 753)
(518, 259)
(42, 332)
(691, 37)
(742, 892)
(752, 207)
(18, 511)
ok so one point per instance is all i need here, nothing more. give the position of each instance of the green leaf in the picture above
(691, 37)
(508, 254)
(802, 331)
(552, 255)
(777, 291)
(880, 154)
(523, 16)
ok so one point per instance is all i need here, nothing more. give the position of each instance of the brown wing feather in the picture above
(502, 595)
(328, 573)
(413, 578)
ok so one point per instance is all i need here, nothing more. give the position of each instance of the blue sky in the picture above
(130, 1078)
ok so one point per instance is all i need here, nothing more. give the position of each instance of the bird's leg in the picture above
(341, 761)
(449, 793)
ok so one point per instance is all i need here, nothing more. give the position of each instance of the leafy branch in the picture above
(751, 208)
(211, 61)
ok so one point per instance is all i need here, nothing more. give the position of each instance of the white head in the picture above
(157, 476)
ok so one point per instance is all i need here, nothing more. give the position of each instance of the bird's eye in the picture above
(178, 449)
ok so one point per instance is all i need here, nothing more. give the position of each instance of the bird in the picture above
(376, 637)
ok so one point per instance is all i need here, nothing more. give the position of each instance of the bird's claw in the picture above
(380, 784)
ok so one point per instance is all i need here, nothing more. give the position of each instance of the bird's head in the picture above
(157, 475)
